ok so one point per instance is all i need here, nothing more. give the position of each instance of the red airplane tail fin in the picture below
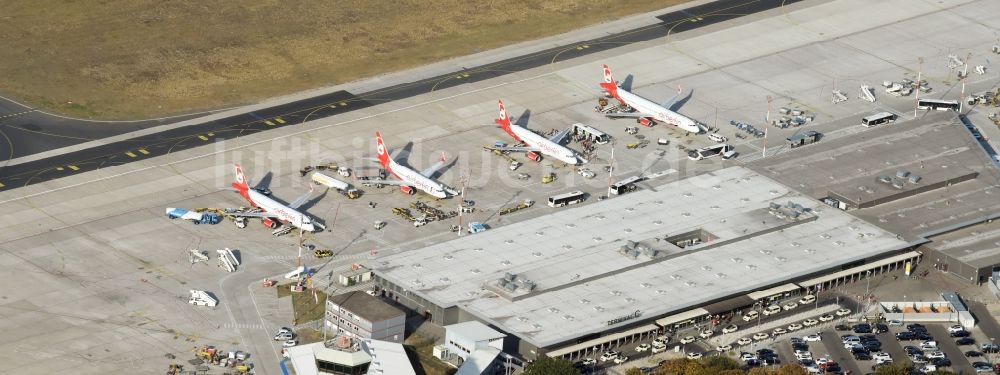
(609, 82)
(504, 119)
(240, 184)
(383, 154)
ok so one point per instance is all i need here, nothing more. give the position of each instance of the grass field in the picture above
(115, 59)
(306, 306)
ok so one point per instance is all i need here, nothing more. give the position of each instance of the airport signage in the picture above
(620, 319)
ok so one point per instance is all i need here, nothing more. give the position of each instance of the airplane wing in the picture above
(671, 101)
(558, 137)
(386, 182)
(252, 214)
(430, 171)
(627, 115)
(298, 202)
(515, 149)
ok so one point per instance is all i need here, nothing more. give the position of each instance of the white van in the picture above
(751, 315)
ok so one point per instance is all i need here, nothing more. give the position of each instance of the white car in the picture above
(955, 328)
(810, 322)
(881, 355)
(744, 341)
(660, 341)
(284, 336)
(803, 355)
(750, 315)
(694, 355)
(716, 137)
(608, 355)
(723, 348)
(730, 328)
(586, 173)
(771, 310)
(843, 312)
(826, 318)
(747, 356)
(935, 354)
(812, 337)
(706, 334)
(895, 323)
(789, 306)
(794, 327)
(514, 165)
(659, 348)
(807, 299)
(687, 340)
(588, 362)
(760, 336)
(779, 331)
(289, 343)
(621, 359)
(642, 348)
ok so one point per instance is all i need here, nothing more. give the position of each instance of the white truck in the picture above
(344, 188)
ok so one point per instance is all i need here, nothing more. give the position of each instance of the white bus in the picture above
(937, 104)
(878, 118)
(626, 185)
(723, 149)
(572, 197)
(591, 133)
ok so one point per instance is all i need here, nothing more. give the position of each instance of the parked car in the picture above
(789, 306)
(843, 312)
(965, 341)
(621, 359)
(807, 299)
(826, 318)
(760, 336)
(730, 328)
(812, 337)
(744, 341)
(706, 334)
(608, 355)
(642, 348)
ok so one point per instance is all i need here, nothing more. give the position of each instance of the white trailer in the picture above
(227, 260)
(333, 183)
(202, 298)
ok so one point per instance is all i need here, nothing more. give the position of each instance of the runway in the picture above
(26, 132)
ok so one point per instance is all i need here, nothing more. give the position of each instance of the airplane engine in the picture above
(408, 189)
(646, 121)
(534, 156)
(268, 222)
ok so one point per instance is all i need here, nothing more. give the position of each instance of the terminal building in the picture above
(357, 314)
(630, 267)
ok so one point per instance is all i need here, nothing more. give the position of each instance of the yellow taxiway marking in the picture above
(202, 137)
(279, 120)
(73, 167)
(143, 151)
(269, 123)
(2, 185)
(343, 104)
(130, 154)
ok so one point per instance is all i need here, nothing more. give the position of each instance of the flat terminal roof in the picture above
(977, 245)
(584, 285)
(935, 146)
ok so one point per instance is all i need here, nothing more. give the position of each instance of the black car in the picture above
(834, 368)
(941, 362)
(842, 327)
(923, 336)
(862, 328)
(803, 347)
(867, 338)
(881, 327)
(962, 333)
(768, 361)
(973, 354)
(965, 341)
(764, 352)
(872, 346)
(862, 356)
(910, 327)
(907, 336)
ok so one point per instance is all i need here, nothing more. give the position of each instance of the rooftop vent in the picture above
(840, 243)
(584, 301)
(686, 214)
(675, 276)
(553, 310)
(716, 187)
(597, 239)
(661, 292)
(536, 326)
(736, 260)
(688, 194)
(417, 265)
(795, 244)
(505, 263)
(569, 317)
(629, 209)
(508, 242)
(825, 236)
(537, 254)
(765, 251)
(444, 280)
(600, 217)
(690, 283)
(902, 173)
(720, 275)
(448, 257)
(522, 319)
(780, 259)
(657, 222)
(629, 299)
(751, 267)
(567, 246)
(478, 249)
(645, 285)
(615, 292)
(914, 179)
(570, 225)
(598, 308)
(706, 268)
(539, 233)
(475, 271)
(810, 251)
(744, 199)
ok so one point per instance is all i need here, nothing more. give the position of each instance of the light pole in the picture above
(903, 311)
(868, 283)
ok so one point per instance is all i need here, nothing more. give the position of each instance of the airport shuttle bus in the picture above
(572, 197)
(591, 133)
(878, 118)
(625, 186)
(937, 104)
(710, 151)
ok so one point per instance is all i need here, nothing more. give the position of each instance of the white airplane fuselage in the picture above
(544, 145)
(417, 180)
(658, 112)
(284, 213)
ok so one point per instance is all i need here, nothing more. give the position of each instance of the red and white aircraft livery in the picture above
(534, 142)
(272, 210)
(645, 108)
(409, 180)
